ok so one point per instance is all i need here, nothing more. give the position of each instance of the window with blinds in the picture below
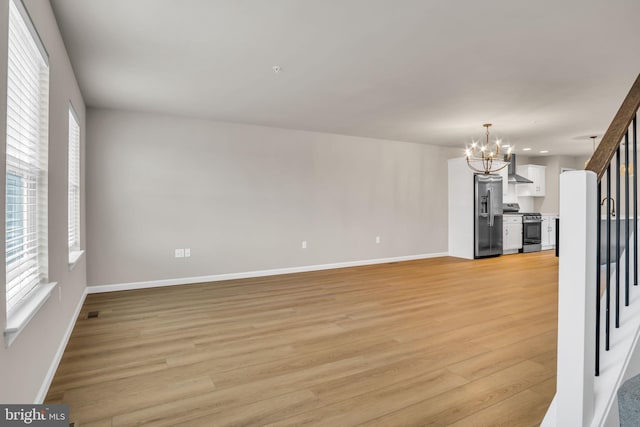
(74, 185)
(26, 244)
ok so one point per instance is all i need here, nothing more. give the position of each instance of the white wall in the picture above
(550, 202)
(243, 198)
(25, 365)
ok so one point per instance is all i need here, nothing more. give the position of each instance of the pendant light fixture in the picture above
(487, 157)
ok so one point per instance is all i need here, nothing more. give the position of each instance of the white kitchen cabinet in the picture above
(548, 232)
(511, 233)
(536, 174)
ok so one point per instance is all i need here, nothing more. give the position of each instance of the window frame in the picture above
(74, 184)
(26, 158)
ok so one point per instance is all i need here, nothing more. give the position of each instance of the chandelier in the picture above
(481, 156)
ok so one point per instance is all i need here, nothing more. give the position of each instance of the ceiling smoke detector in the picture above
(276, 69)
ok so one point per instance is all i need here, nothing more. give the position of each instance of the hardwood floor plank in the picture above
(546, 389)
(365, 407)
(385, 375)
(470, 398)
(84, 377)
(98, 423)
(257, 413)
(508, 412)
(240, 395)
(104, 404)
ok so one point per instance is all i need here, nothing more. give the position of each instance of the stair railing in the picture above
(621, 133)
(598, 274)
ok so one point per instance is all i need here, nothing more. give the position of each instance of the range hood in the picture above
(513, 177)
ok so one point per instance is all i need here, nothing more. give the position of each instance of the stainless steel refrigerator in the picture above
(488, 215)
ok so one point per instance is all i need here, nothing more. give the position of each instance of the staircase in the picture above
(598, 375)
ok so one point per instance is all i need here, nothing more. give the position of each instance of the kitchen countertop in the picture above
(520, 213)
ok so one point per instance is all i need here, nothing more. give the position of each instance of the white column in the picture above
(461, 205)
(576, 299)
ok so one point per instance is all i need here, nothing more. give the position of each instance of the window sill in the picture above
(74, 257)
(20, 317)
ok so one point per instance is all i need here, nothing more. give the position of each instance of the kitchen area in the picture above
(510, 212)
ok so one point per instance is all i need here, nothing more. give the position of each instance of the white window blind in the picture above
(74, 183)
(26, 243)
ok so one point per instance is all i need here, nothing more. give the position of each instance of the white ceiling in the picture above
(546, 73)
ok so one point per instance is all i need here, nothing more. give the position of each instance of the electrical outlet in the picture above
(179, 253)
(377, 239)
(304, 244)
(187, 252)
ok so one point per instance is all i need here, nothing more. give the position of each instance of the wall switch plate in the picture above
(187, 252)
(304, 244)
(377, 239)
(179, 253)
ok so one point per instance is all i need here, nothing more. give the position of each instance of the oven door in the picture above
(532, 236)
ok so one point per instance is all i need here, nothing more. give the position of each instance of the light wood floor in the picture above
(432, 342)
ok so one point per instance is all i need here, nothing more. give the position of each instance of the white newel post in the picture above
(576, 299)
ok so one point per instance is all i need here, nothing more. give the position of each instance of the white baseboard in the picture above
(46, 383)
(250, 274)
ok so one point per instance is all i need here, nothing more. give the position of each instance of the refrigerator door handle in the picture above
(490, 206)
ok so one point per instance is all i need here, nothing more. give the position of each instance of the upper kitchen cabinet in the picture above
(536, 174)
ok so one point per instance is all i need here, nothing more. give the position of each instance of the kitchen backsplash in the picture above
(526, 203)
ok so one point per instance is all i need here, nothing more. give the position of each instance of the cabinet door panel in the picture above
(536, 174)
(545, 231)
(513, 234)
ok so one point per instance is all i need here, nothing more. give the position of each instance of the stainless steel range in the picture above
(531, 232)
(531, 227)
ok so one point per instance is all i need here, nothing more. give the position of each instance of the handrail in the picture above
(612, 138)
